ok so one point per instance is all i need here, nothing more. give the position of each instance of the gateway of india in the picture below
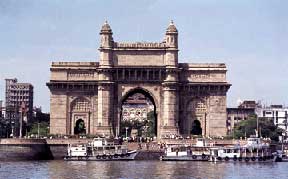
(183, 94)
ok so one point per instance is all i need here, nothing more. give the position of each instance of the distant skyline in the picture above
(249, 36)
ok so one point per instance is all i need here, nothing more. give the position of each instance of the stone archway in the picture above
(80, 116)
(138, 114)
(196, 113)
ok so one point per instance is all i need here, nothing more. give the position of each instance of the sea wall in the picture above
(28, 149)
(34, 149)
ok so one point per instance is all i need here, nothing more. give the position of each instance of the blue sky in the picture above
(250, 36)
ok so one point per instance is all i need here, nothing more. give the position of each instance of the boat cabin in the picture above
(77, 150)
(226, 152)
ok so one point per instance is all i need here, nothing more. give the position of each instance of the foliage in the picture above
(43, 129)
(145, 128)
(151, 131)
(248, 127)
(40, 117)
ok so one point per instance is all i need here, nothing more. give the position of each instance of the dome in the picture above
(106, 28)
(171, 28)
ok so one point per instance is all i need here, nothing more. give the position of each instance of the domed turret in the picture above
(171, 28)
(106, 29)
(106, 45)
(106, 36)
(171, 37)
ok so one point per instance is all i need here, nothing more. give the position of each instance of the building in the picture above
(185, 95)
(18, 104)
(248, 105)
(1, 109)
(240, 113)
(136, 108)
(278, 113)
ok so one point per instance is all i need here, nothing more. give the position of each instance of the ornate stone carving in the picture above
(128, 66)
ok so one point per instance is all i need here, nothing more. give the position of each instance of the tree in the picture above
(248, 127)
(43, 129)
(151, 123)
(41, 119)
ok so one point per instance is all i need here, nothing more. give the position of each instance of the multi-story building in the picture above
(19, 103)
(278, 113)
(235, 115)
(136, 108)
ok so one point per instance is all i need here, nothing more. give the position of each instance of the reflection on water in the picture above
(140, 169)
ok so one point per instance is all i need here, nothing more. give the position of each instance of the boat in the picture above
(184, 152)
(253, 151)
(99, 149)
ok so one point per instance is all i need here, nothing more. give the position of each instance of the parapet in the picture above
(74, 65)
(139, 45)
(203, 66)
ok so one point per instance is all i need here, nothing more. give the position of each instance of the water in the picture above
(58, 169)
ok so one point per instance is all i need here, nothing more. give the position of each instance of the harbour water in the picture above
(58, 169)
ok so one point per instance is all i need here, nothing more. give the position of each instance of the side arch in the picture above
(80, 110)
(196, 113)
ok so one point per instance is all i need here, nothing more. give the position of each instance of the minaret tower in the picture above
(171, 40)
(106, 84)
(170, 108)
(106, 45)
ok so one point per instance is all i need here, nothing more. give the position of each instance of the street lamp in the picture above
(126, 131)
(12, 132)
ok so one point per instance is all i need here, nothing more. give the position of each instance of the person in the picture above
(147, 144)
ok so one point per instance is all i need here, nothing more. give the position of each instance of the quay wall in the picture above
(35, 149)
(28, 149)
(49, 149)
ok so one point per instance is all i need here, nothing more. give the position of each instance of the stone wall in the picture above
(154, 68)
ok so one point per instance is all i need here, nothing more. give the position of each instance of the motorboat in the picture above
(253, 151)
(184, 152)
(99, 149)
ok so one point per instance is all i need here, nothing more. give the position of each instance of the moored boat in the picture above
(99, 149)
(198, 152)
(253, 151)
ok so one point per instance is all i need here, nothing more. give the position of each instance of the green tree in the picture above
(151, 123)
(43, 129)
(248, 127)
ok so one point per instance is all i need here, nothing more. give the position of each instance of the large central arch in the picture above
(149, 97)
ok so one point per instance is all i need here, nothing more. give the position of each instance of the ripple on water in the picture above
(140, 169)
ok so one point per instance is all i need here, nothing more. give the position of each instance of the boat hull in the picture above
(128, 156)
(244, 159)
(184, 158)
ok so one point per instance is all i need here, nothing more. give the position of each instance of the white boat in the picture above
(99, 149)
(253, 151)
(198, 152)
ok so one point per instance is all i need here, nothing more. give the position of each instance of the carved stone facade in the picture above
(180, 92)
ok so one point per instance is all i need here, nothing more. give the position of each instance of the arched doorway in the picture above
(196, 127)
(80, 127)
(80, 116)
(138, 116)
(196, 113)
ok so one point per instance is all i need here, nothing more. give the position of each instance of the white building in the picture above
(278, 113)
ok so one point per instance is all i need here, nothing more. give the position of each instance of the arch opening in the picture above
(80, 127)
(196, 127)
(80, 116)
(138, 116)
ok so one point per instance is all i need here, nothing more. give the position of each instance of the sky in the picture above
(249, 36)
